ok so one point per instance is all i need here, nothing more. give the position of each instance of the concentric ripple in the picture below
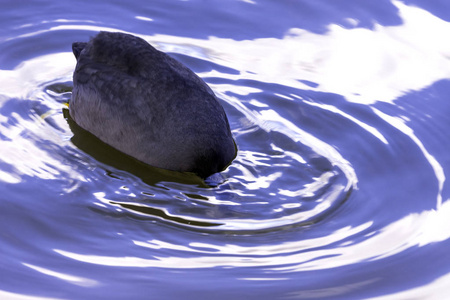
(277, 180)
(325, 199)
(282, 176)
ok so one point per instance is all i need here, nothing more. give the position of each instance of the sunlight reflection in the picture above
(32, 73)
(226, 255)
(437, 290)
(22, 130)
(400, 124)
(80, 281)
(368, 128)
(13, 296)
(363, 65)
(413, 230)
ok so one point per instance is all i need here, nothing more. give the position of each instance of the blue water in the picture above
(340, 111)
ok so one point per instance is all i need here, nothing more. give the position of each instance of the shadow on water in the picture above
(108, 155)
(150, 211)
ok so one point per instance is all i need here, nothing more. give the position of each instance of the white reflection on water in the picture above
(30, 74)
(372, 130)
(435, 290)
(21, 131)
(363, 65)
(224, 255)
(400, 124)
(86, 282)
(14, 296)
(410, 231)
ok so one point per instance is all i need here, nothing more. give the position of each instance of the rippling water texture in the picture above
(340, 110)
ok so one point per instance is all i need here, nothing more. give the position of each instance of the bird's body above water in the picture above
(149, 106)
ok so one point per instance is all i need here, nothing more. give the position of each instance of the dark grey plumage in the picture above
(148, 105)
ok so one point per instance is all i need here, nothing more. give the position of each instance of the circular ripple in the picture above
(277, 181)
(282, 177)
(320, 187)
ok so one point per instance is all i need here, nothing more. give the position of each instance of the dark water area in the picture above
(340, 111)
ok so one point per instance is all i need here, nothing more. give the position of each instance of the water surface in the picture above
(338, 191)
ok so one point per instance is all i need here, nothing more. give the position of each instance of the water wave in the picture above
(331, 190)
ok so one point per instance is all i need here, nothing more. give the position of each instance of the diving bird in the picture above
(149, 106)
